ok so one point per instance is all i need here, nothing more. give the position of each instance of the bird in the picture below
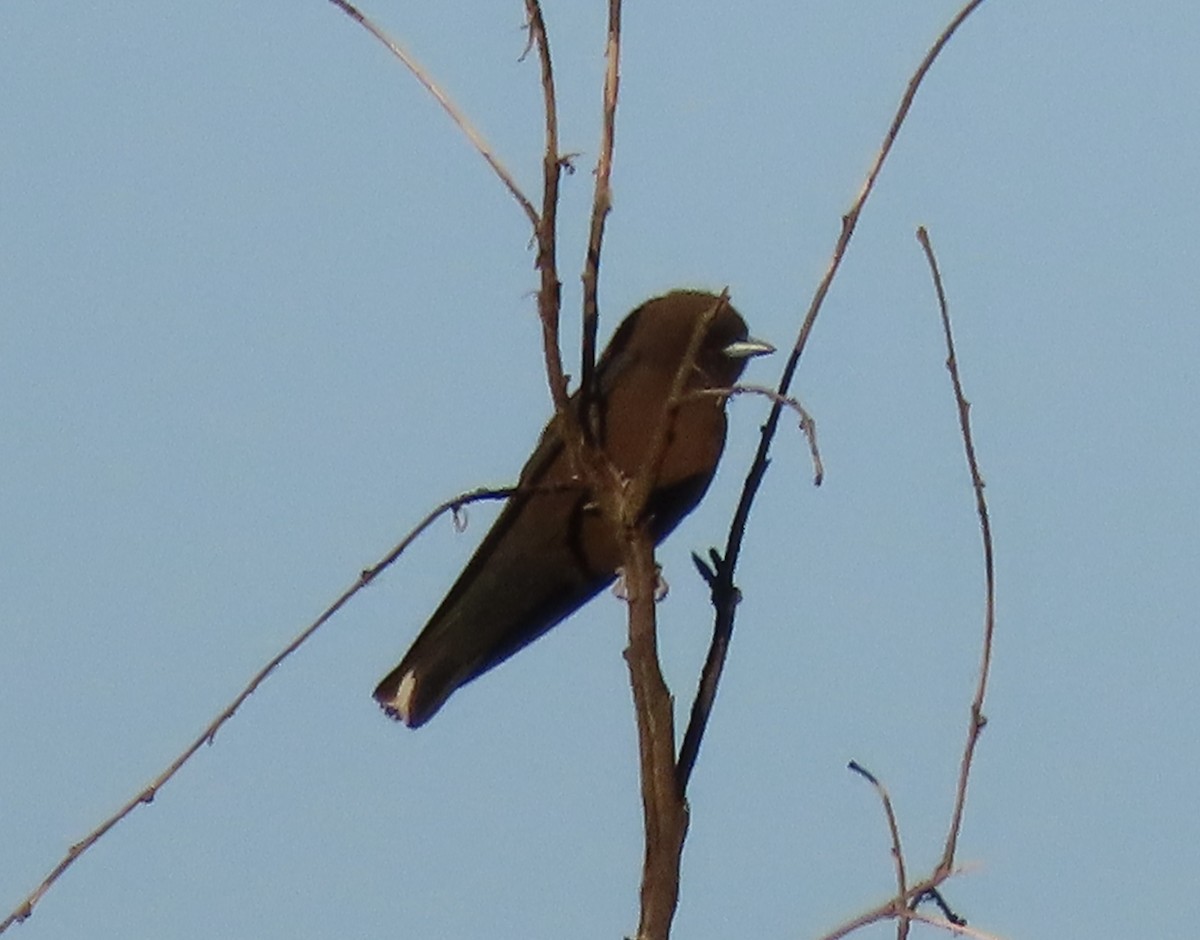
(551, 550)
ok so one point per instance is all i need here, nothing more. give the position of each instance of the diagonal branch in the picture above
(725, 595)
(147, 794)
(456, 113)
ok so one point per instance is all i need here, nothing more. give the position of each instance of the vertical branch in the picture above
(903, 905)
(601, 205)
(664, 811)
(546, 228)
(725, 594)
(978, 719)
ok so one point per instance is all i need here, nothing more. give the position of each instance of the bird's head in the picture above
(657, 335)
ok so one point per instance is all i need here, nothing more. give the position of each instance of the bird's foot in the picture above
(661, 588)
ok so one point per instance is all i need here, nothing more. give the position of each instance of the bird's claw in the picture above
(661, 587)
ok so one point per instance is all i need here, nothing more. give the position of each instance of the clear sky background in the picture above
(261, 307)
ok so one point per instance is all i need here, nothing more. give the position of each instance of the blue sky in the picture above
(261, 307)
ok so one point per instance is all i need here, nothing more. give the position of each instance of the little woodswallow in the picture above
(550, 550)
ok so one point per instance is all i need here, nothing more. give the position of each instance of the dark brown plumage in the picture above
(548, 553)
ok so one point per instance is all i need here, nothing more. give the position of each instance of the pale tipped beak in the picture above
(748, 347)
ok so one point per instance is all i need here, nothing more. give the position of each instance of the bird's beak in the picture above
(746, 348)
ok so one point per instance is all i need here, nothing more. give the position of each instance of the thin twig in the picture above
(639, 490)
(893, 907)
(601, 206)
(894, 830)
(665, 814)
(896, 907)
(456, 114)
(977, 720)
(903, 905)
(550, 289)
(146, 795)
(808, 424)
(724, 592)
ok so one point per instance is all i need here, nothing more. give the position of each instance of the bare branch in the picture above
(456, 114)
(808, 424)
(601, 206)
(894, 830)
(663, 806)
(664, 812)
(550, 289)
(146, 795)
(724, 592)
(897, 907)
(978, 720)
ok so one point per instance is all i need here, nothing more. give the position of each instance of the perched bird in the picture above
(550, 550)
